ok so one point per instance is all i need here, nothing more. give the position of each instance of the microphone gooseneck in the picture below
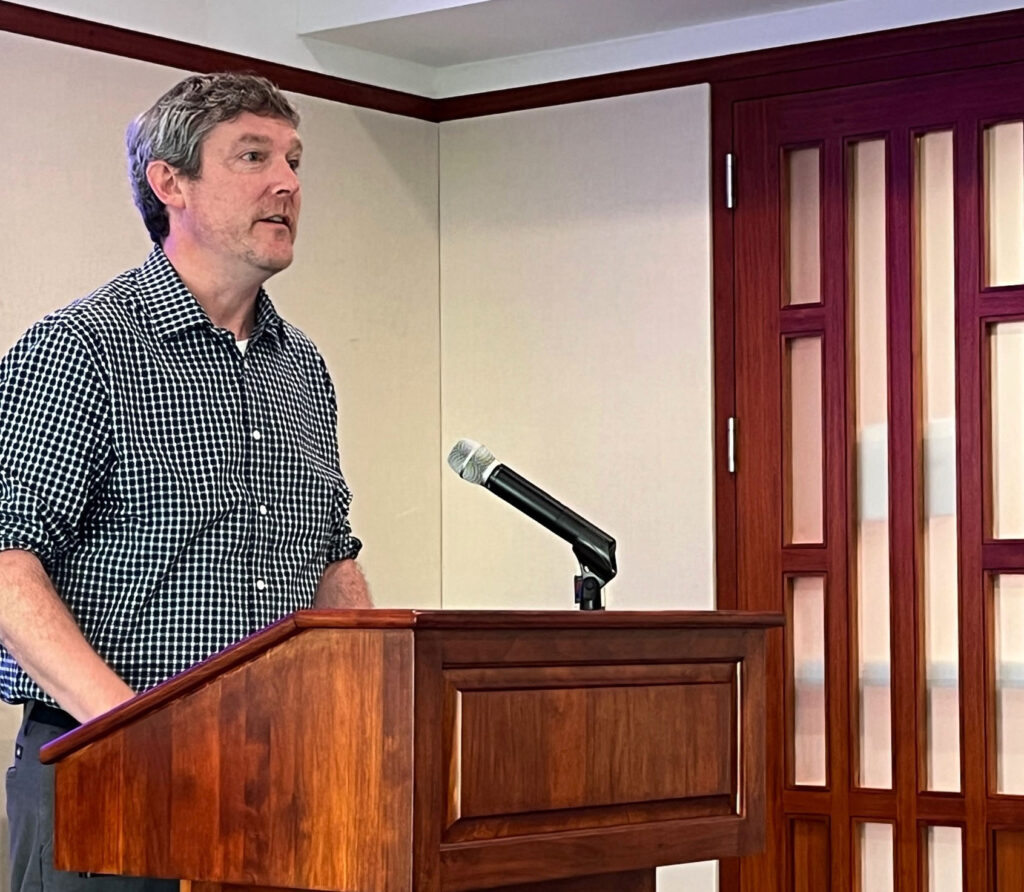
(594, 548)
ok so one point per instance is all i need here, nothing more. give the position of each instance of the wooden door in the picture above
(879, 293)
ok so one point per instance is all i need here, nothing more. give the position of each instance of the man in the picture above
(169, 478)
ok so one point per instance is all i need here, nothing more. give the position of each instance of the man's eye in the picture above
(293, 163)
(251, 156)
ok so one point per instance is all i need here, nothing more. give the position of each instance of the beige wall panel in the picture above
(576, 344)
(69, 222)
(364, 284)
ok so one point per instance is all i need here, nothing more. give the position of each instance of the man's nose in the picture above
(287, 179)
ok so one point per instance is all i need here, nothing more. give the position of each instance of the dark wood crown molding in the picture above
(968, 42)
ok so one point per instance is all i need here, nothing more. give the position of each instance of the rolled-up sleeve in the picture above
(343, 545)
(54, 439)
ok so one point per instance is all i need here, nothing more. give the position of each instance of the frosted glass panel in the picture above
(945, 872)
(802, 201)
(804, 496)
(1004, 202)
(875, 858)
(808, 751)
(1006, 351)
(867, 173)
(941, 619)
(1008, 627)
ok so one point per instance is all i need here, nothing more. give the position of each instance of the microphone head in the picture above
(471, 461)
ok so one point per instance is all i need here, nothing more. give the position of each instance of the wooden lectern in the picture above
(431, 751)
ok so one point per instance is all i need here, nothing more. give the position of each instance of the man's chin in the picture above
(278, 264)
(273, 263)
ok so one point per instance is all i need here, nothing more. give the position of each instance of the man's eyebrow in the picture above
(252, 138)
(261, 140)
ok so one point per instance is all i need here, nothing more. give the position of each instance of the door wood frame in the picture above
(977, 845)
(945, 47)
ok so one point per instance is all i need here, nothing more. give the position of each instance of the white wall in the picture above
(576, 344)
(364, 285)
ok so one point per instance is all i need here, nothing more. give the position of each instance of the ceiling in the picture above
(459, 33)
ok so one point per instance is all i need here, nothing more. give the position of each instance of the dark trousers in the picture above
(30, 813)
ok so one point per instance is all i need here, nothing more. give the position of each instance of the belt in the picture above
(49, 715)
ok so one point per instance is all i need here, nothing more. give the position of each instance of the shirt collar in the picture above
(174, 309)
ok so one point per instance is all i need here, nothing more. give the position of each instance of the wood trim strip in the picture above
(932, 808)
(970, 413)
(840, 678)
(806, 560)
(568, 619)
(1003, 556)
(508, 826)
(625, 881)
(31, 22)
(534, 678)
(906, 500)
(724, 365)
(1006, 810)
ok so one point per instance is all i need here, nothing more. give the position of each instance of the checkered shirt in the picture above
(180, 494)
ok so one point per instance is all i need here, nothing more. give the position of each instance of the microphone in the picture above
(594, 548)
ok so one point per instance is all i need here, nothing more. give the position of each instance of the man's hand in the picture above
(343, 585)
(38, 630)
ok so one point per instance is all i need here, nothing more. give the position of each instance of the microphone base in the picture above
(588, 592)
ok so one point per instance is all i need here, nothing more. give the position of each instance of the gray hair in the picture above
(173, 130)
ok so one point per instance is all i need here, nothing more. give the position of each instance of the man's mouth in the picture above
(281, 219)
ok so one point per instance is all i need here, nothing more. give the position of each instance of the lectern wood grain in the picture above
(294, 770)
(398, 751)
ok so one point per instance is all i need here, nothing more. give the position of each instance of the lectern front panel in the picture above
(551, 738)
(554, 750)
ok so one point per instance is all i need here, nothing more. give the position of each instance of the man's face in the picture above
(242, 212)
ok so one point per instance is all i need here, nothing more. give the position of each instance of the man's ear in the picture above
(165, 181)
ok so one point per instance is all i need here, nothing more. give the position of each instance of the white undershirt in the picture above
(241, 344)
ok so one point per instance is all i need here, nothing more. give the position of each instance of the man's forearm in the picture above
(38, 630)
(343, 585)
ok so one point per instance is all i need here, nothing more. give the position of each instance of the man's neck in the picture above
(228, 299)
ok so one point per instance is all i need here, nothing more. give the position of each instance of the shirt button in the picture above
(256, 435)
(263, 510)
(261, 585)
